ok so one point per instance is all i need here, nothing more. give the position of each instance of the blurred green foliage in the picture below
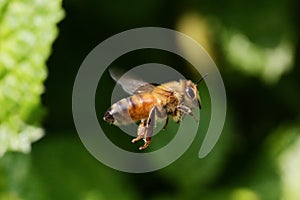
(27, 30)
(64, 172)
(256, 46)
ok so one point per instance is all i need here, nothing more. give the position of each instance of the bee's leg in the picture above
(166, 123)
(187, 110)
(150, 124)
(161, 115)
(141, 131)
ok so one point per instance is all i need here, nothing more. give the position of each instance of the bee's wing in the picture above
(147, 87)
(131, 84)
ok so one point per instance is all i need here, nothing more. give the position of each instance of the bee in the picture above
(151, 103)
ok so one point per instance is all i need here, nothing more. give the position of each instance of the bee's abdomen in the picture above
(140, 105)
(132, 109)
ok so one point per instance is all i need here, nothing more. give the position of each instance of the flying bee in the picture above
(151, 103)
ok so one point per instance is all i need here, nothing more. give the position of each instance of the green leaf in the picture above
(27, 31)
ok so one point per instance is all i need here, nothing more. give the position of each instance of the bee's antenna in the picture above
(201, 79)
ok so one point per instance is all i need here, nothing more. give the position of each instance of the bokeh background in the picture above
(256, 46)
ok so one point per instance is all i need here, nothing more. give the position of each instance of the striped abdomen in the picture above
(130, 109)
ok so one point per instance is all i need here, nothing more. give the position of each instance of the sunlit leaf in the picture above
(27, 30)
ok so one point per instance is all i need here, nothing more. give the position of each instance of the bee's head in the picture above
(192, 97)
(108, 117)
(192, 94)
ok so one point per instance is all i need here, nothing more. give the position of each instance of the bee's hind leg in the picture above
(149, 127)
(141, 131)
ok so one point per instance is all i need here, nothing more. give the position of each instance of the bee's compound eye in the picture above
(108, 117)
(190, 92)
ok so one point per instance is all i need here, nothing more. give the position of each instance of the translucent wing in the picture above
(130, 83)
